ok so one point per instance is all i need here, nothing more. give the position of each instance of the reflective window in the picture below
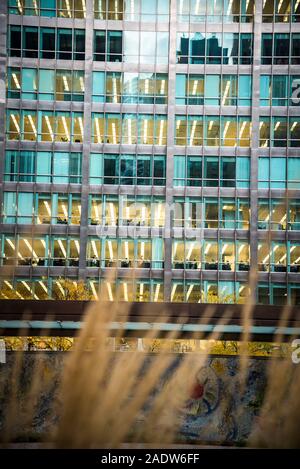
(279, 132)
(46, 43)
(280, 48)
(138, 170)
(214, 48)
(215, 11)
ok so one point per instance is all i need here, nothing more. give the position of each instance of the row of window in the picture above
(128, 10)
(214, 171)
(46, 43)
(150, 170)
(279, 132)
(214, 48)
(150, 47)
(150, 88)
(280, 48)
(45, 85)
(213, 131)
(44, 126)
(63, 251)
(200, 11)
(113, 210)
(64, 168)
(145, 211)
(206, 254)
(189, 291)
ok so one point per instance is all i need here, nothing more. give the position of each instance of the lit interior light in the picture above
(264, 3)
(261, 124)
(156, 293)
(277, 125)
(211, 123)
(241, 248)
(20, 8)
(143, 214)
(297, 260)
(15, 123)
(126, 247)
(259, 247)
(110, 248)
(132, 9)
(83, 7)
(193, 133)
(226, 92)
(66, 84)
(60, 287)
(207, 248)
(159, 207)
(142, 249)
(190, 251)
(127, 212)
(267, 217)
(147, 86)
(49, 127)
(62, 248)
(197, 7)
(112, 213)
(161, 132)
(30, 248)
(173, 291)
(224, 248)
(145, 131)
(116, 9)
(64, 210)
(80, 126)
(241, 288)
(109, 291)
(175, 245)
(141, 289)
(81, 81)
(295, 123)
(242, 129)
(115, 94)
(283, 219)
(226, 129)
(9, 241)
(125, 291)
(279, 5)
(282, 258)
(47, 207)
(32, 124)
(95, 249)
(26, 285)
(98, 130)
(43, 286)
(96, 210)
(189, 291)
(247, 5)
(273, 250)
(15, 78)
(180, 7)
(77, 245)
(114, 134)
(162, 87)
(296, 5)
(129, 132)
(194, 90)
(68, 8)
(94, 290)
(36, 7)
(66, 128)
(229, 7)
(178, 124)
(8, 284)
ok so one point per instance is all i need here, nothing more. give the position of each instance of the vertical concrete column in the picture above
(257, 27)
(170, 149)
(88, 76)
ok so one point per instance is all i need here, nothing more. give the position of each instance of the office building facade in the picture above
(157, 140)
